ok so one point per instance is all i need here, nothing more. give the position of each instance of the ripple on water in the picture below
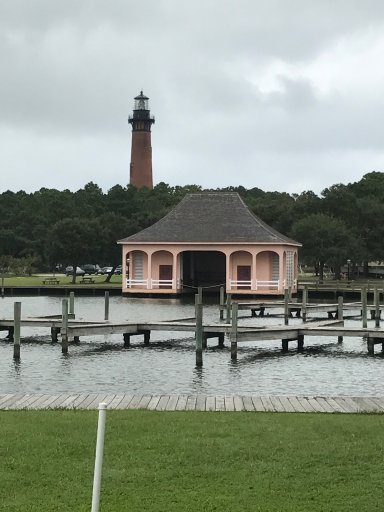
(167, 366)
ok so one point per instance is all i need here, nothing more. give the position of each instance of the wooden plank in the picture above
(323, 402)
(220, 403)
(336, 407)
(379, 401)
(68, 402)
(145, 399)
(94, 404)
(116, 400)
(11, 399)
(288, 407)
(77, 404)
(276, 403)
(108, 399)
(210, 404)
(268, 406)
(366, 405)
(124, 403)
(248, 404)
(238, 403)
(22, 402)
(134, 403)
(153, 402)
(348, 404)
(191, 403)
(162, 403)
(229, 403)
(258, 404)
(200, 403)
(302, 402)
(315, 404)
(172, 403)
(181, 403)
(45, 404)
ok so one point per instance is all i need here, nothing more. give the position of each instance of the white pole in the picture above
(99, 457)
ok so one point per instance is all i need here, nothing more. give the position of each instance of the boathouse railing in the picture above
(152, 283)
(162, 283)
(137, 282)
(273, 284)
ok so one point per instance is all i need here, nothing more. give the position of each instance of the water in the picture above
(167, 366)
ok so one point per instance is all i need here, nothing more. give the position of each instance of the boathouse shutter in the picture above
(138, 264)
(275, 267)
(289, 270)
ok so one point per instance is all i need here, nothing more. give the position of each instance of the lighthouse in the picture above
(141, 149)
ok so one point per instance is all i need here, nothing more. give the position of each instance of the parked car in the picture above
(90, 269)
(69, 271)
(118, 270)
(105, 270)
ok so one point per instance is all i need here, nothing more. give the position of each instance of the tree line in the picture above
(41, 229)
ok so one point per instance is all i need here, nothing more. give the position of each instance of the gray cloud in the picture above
(236, 87)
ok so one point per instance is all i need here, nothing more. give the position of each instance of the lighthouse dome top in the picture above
(141, 102)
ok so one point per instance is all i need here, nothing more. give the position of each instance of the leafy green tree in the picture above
(73, 241)
(325, 240)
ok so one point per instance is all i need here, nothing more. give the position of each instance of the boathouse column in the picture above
(228, 271)
(253, 272)
(174, 271)
(282, 276)
(149, 271)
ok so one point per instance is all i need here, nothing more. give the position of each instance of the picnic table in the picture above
(87, 280)
(51, 280)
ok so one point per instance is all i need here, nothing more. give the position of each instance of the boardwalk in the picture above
(251, 403)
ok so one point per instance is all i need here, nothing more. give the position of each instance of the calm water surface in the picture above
(167, 366)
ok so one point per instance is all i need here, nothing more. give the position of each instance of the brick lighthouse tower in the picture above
(141, 150)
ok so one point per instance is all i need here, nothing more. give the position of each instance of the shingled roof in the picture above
(210, 217)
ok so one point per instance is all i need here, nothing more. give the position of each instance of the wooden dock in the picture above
(212, 403)
(69, 329)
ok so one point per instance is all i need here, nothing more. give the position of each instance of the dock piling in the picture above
(286, 309)
(199, 330)
(54, 334)
(377, 307)
(300, 342)
(71, 303)
(304, 303)
(64, 327)
(147, 337)
(364, 306)
(234, 330)
(340, 314)
(222, 302)
(106, 306)
(127, 340)
(229, 302)
(16, 333)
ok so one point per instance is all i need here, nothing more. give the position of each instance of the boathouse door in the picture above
(165, 274)
(244, 274)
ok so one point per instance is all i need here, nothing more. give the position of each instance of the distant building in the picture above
(210, 240)
(141, 148)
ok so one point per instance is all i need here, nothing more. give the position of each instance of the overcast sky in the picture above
(281, 95)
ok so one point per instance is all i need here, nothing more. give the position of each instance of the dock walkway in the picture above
(222, 403)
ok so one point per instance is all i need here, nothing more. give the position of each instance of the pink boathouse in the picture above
(209, 239)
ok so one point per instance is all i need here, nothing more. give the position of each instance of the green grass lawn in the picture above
(37, 280)
(191, 461)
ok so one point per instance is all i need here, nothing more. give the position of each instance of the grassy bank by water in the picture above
(190, 461)
(37, 280)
